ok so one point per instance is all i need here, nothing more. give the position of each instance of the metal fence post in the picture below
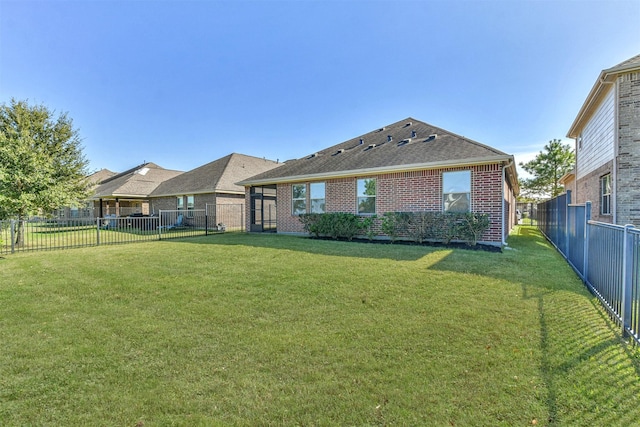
(627, 279)
(13, 236)
(97, 231)
(160, 224)
(566, 224)
(585, 263)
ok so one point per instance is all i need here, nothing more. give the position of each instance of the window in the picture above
(298, 199)
(456, 191)
(190, 206)
(367, 196)
(180, 203)
(316, 191)
(605, 194)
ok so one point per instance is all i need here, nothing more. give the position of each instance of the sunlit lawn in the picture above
(241, 329)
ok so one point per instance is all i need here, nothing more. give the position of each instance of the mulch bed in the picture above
(452, 245)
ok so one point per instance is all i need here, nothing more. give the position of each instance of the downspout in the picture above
(616, 142)
(504, 168)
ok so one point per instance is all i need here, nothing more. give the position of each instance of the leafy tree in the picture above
(42, 166)
(547, 168)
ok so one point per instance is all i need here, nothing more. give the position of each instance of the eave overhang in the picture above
(387, 169)
(600, 88)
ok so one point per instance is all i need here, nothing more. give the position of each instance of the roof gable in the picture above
(219, 175)
(401, 145)
(100, 176)
(135, 182)
(599, 91)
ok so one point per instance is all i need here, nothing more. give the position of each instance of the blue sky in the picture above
(184, 83)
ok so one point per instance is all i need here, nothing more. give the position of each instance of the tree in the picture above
(42, 166)
(547, 168)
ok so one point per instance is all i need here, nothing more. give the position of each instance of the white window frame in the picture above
(605, 194)
(361, 197)
(454, 190)
(191, 205)
(298, 199)
(180, 203)
(320, 202)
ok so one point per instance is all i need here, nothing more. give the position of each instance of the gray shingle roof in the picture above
(629, 64)
(404, 145)
(136, 182)
(100, 176)
(219, 176)
(599, 91)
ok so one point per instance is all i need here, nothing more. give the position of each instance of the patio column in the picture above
(117, 207)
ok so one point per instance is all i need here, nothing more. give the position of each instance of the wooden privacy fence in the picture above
(51, 234)
(605, 256)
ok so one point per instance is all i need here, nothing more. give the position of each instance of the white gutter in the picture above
(375, 171)
(504, 168)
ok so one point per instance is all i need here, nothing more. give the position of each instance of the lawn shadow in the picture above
(591, 376)
(370, 250)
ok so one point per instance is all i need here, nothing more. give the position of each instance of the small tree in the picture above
(42, 166)
(547, 168)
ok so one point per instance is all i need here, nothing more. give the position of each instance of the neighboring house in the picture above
(407, 166)
(128, 192)
(85, 209)
(568, 181)
(607, 135)
(213, 184)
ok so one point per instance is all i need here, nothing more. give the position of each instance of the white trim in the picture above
(614, 173)
(377, 171)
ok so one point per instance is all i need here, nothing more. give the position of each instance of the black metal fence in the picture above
(50, 234)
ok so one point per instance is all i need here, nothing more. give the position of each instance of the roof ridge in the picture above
(630, 63)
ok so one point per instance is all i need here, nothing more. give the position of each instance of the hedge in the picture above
(416, 226)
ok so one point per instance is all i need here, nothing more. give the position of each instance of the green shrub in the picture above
(417, 226)
(435, 226)
(367, 226)
(336, 225)
(473, 226)
(310, 223)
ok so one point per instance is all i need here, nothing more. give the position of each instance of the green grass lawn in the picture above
(240, 329)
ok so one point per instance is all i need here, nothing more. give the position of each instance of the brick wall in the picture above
(163, 203)
(628, 189)
(408, 192)
(588, 190)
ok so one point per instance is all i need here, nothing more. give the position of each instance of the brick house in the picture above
(408, 166)
(128, 192)
(607, 145)
(211, 185)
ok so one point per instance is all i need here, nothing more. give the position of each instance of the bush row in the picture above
(415, 226)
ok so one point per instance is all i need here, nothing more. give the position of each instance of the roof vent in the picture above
(431, 137)
(404, 142)
(389, 138)
(312, 156)
(408, 124)
(381, 129)
(361, 141)
(142, 171)
(340, 151)
(370, 147)
(413, 134)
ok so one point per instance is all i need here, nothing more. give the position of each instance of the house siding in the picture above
(598, 136)
(416, 191)
(628, 167)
